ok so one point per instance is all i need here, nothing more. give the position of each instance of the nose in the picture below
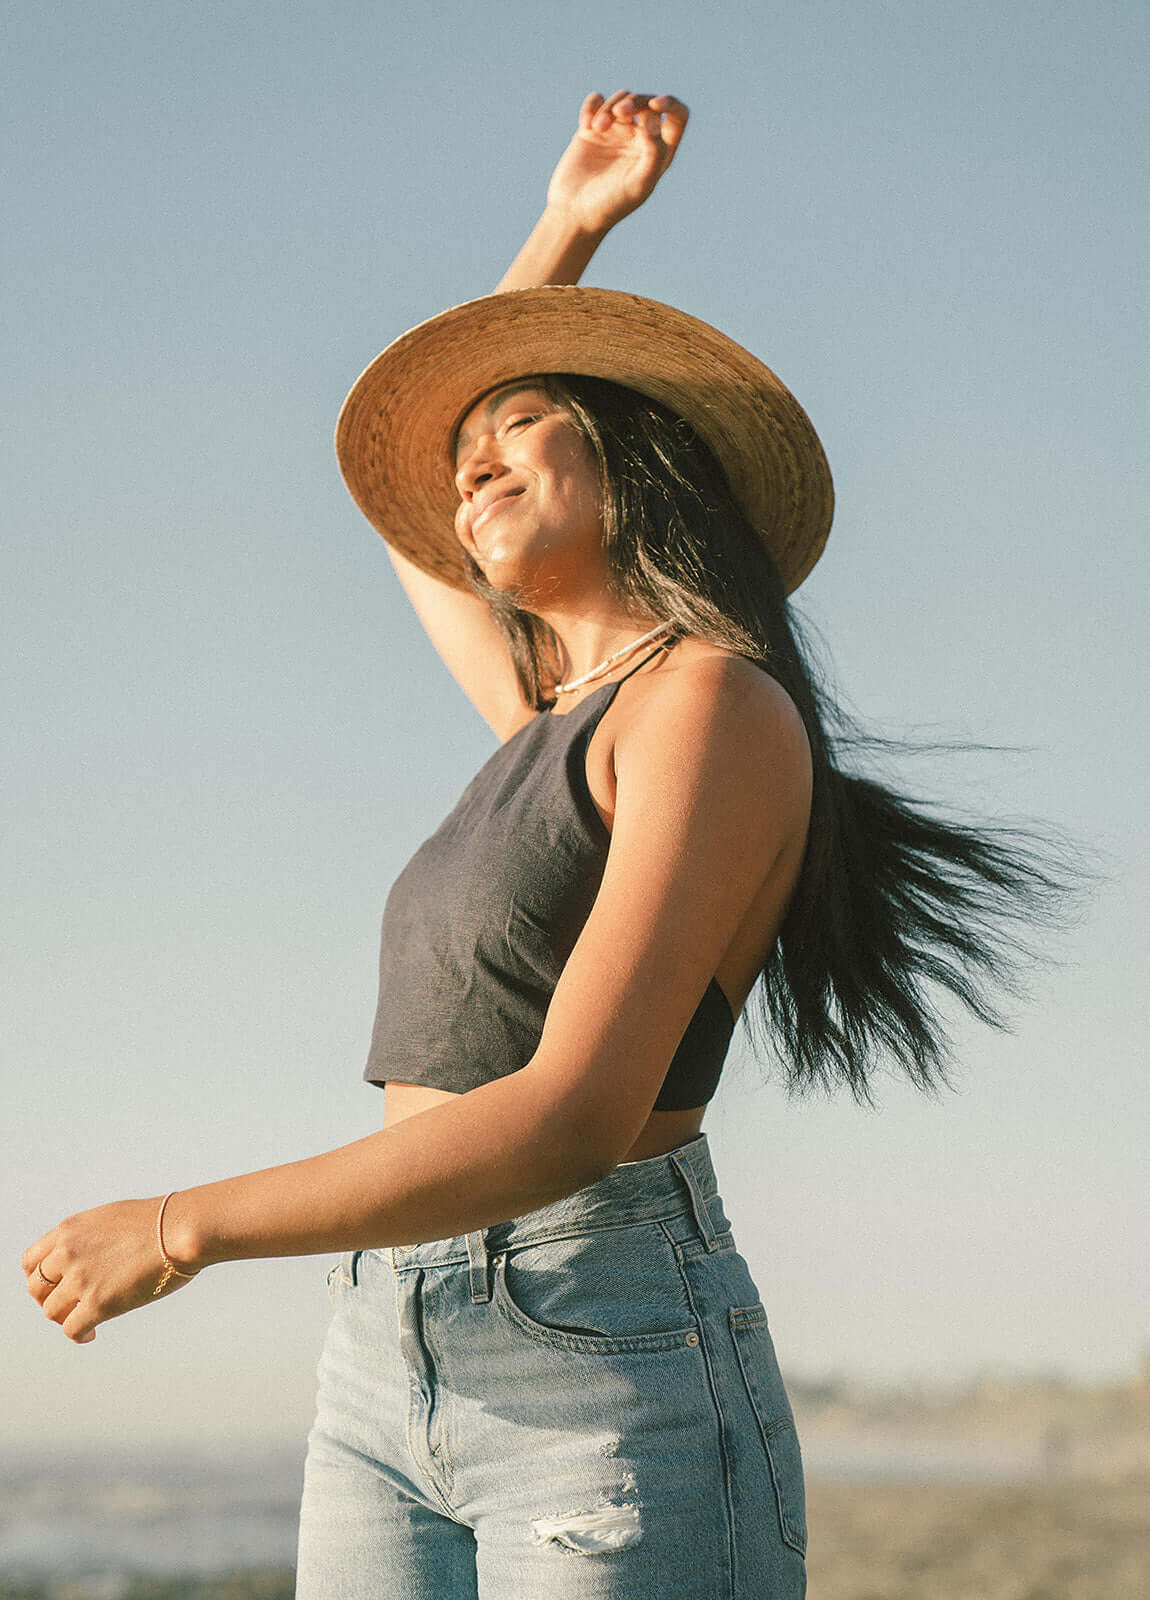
(479, 464)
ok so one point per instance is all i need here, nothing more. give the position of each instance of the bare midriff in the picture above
(662, 1131)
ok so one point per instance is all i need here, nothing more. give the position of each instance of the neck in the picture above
(656, 638)
(588, 639)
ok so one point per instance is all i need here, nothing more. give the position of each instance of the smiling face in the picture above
(529, 499)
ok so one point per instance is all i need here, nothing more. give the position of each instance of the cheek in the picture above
(585, 500)
(586, 491)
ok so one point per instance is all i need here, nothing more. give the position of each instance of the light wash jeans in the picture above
(578, 1404)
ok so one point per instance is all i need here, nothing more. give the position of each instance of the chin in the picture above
(519, 581)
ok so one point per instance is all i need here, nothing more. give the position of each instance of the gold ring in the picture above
(44, 1276)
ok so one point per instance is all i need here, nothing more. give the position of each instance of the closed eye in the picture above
(519, 422)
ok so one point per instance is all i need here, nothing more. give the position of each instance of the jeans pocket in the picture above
(614, 1290)
(756, 1353)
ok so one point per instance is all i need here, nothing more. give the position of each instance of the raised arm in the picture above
(620, 150)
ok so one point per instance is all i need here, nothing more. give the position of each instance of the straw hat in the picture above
(396, 430)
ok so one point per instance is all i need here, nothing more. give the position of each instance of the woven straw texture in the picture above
(395, 432)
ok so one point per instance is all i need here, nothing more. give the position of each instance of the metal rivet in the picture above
(692, 1338)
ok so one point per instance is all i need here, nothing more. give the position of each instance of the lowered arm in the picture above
(496, 1152)
(712, 796)
(712, 799)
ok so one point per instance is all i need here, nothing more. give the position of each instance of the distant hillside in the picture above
(997, 1427)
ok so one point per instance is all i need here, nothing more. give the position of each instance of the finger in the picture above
(649, 122)
(588, 109)
(36, 1252)
(649, 154)
(42, 1279)
(59, 1305)
(38, 1289)
(604, 118)
(675, 115)
(80, 1326)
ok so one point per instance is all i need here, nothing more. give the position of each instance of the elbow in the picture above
(590, 1162)
(575, 1137)
(595, 1154)
(572, 1155)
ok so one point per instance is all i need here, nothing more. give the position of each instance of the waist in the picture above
(682, 1181)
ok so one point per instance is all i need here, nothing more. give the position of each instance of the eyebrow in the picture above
(492, 404)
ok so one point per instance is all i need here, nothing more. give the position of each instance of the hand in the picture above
(621, 149)
(102, 1262)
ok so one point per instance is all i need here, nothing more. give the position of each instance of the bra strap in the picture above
(660, 648)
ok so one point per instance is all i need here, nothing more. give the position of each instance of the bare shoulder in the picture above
(712, 792)
(710, 705)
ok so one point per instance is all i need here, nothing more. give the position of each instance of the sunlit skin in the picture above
(529, 508)
(530, 515)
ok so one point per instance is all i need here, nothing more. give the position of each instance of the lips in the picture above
(492, 504)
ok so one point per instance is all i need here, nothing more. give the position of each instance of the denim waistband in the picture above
(679, 1182)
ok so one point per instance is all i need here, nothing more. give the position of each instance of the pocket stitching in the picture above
(586, 1343)
(743, 1319)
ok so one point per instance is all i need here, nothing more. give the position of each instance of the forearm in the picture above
(557, 250)
(496, 1152)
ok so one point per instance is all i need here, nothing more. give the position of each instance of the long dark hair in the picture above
(894, 904)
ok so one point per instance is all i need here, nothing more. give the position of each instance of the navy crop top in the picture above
(480, 923)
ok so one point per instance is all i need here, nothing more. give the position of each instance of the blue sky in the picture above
(226, 733)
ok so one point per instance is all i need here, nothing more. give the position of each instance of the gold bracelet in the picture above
(170, 1268)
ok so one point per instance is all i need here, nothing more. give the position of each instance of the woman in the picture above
(549, 1371)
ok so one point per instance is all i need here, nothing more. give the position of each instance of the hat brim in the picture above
(396, 429)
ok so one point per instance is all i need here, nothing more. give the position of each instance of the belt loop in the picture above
(698, 1204)
(477, 1258)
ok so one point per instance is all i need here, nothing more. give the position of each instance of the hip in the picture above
(610, 1349)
